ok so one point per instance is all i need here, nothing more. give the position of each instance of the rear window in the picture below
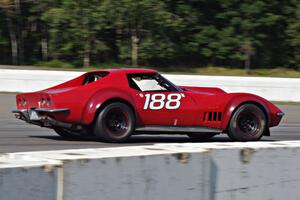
(93, 77)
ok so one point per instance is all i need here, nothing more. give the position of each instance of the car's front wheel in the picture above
(248, 123)
(115, 123)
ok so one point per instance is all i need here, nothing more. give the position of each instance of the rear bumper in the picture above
(42, 117)
(43, 110)
(36, 114)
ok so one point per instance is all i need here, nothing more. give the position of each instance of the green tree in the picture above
(39, 31)
(259, 23)
(4, 40)
(152, 32)
(73, 31)
(293, 36)
(11, 9)
(142, 28)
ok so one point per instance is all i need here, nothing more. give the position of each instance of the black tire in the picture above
(115, 123)
(67, 133)
(248, 123)
(201, 136)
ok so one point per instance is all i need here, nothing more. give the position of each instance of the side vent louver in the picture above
(212, 116)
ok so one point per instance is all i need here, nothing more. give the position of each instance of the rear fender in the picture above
(239, 100)
(100, 98)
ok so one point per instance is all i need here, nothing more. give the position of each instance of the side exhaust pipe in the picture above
(50, 122)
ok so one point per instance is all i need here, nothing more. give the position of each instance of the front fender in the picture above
(99, 98)
(239, 99)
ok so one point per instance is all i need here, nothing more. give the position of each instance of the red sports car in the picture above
(113, 104)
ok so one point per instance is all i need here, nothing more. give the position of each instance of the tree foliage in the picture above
(151, 32)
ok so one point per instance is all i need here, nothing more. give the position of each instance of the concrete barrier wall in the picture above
(32, 80)
(276, 89)
(27, 178)
(207, 171)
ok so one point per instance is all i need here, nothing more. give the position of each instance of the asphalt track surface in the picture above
(17, 136)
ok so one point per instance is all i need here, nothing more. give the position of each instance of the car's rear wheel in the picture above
(65, 133)
(248, 123)
(115, 123)
(201, 136)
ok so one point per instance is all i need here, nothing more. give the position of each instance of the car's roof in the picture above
(127, 70)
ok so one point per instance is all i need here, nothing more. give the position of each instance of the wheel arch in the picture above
(113, 100)
(233, 106)
(100, 99)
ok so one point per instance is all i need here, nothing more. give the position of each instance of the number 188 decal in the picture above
(157, 101)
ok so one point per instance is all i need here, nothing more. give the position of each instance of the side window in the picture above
(93, 77)
(149, 82)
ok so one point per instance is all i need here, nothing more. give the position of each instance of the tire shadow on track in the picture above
(139, 139)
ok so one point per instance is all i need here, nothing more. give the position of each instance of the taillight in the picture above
(20, 102)
(43, 103)
(49, 103)
(24, 102)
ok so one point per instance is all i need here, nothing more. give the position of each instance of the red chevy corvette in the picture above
(111, 105)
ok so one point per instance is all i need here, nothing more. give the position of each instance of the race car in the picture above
(113, 104)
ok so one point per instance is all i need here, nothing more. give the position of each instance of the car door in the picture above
(163, 106)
